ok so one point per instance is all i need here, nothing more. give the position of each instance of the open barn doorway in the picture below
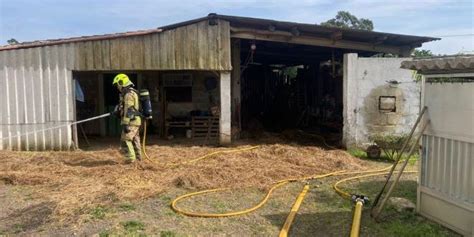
(95, 95)
(185, 106)
(291, 87)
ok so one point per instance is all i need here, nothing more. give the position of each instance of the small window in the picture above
(387, 104)
(179, 94)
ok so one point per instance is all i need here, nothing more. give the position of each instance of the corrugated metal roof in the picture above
(257, 23)
(436, 64)
(47, 42)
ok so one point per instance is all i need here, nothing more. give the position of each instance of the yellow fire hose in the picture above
(356, 219)
(359, 200)
(286, 227)
(262, 202)
(289, 220)
(174, 165)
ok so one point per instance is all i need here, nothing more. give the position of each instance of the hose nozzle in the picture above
(359, 198)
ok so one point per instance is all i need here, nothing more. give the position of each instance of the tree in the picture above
(12, 41)
(418, 53)
(345, 19)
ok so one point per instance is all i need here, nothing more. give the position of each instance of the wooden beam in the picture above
(337, 35)
(287, 37)
(236, 88)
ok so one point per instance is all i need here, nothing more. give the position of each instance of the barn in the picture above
(214, 78)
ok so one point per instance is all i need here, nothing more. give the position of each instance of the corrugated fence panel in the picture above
(448, 166)
(37, 94)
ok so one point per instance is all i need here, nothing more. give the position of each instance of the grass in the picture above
(322, 213)
(167, 233)
(17, 228)
(127, 207)
(104, 233)
(359, 153)
(98, 212)
(133, 226)
(409, 224)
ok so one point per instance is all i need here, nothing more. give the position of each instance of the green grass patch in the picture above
(356, 152)
(167, 233)
(412, 225)
(18, 228)
(165, 199)
(104, 233)
(133, 226)
(360, 153)
(127, 207)
(98, 212)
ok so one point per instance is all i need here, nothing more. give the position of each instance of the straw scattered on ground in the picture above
(76, 181)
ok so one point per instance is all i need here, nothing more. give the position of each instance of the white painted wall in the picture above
(365, 80)
(225, 105)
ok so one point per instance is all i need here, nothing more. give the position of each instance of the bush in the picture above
(390, 144)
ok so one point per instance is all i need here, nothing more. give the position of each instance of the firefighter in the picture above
(128, 112)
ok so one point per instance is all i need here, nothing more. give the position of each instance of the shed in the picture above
(246, 58)
(446, 177)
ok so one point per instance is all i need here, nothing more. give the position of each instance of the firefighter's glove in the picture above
(117, 111)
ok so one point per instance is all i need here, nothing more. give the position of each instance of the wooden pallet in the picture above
(175, 124)
(205, 127)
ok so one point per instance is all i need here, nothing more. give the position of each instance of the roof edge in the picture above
(49, 42)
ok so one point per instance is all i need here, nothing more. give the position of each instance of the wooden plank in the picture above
(212, 38)
(194, 46)
(89, 48)
(157, 52)
(135, 46)
(202, 45)
(147, 51)
(126, 45)
(115, 54)
(98, 58)
(224, 47)
(81, 56)
(106, 61)
(179, 48)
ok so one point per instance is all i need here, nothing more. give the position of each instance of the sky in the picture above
(27, 20)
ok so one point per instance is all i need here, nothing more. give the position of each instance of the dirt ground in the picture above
(95, 193)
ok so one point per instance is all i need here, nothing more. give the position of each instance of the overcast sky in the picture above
(26, 20)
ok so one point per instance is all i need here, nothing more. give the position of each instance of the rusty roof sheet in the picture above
(47, 42)
(457, 63)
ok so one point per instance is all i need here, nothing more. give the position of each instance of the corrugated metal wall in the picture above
(446, 187)
(447, 167)
(36, 83)
(448, 158)
(36, 93)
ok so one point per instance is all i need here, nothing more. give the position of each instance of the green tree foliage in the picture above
(422, 53)
(345, 19)
(12, 41)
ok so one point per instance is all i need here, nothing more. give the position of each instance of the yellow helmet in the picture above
(122, 80)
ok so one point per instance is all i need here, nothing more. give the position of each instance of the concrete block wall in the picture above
(200, 96)
(365, 81)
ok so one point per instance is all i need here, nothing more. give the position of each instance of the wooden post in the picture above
(102, 104)
(236, 89)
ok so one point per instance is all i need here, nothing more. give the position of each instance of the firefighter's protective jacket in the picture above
(130, 107)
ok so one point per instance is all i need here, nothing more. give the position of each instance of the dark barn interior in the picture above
(290, 86)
